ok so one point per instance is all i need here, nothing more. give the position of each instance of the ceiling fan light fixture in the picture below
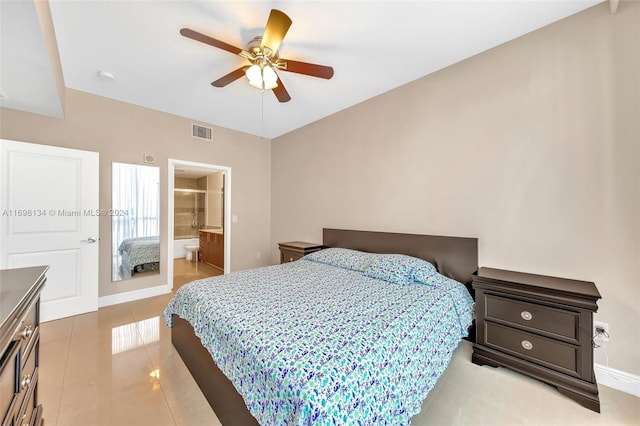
(254, 74)
(263, 78)
(269, 77)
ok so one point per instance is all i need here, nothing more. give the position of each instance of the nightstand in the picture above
(294, 250)
(540, 326)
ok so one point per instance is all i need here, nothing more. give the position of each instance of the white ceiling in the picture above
(27, 80)
(373, 46)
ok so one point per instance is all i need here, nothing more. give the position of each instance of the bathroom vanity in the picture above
(212, 247)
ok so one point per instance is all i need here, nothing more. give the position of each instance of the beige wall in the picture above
(533, 147)
(123, 132)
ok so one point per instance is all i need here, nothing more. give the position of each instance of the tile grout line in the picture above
(146, 351)
(64, 373)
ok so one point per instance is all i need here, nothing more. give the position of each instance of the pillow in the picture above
(438, 280)
(398, 268)
(342, 258)
(424, 273)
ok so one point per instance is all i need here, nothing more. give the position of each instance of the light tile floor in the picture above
(117, 367)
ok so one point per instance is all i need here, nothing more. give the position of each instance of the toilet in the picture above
(192, 251)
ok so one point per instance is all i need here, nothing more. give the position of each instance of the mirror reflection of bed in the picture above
(135, 223)
(198, 225)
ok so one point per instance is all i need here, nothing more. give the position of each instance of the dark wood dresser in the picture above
(20, 343)
(540, 326)
(294, 250)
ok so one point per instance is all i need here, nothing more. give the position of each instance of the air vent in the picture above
(202, 132)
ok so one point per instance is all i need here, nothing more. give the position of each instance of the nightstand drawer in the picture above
(536, 317)
(541, 350)
(294, 250)
(290, 256)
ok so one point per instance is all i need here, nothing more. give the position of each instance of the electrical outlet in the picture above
(601, 331)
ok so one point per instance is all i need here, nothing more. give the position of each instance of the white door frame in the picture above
(173, 164)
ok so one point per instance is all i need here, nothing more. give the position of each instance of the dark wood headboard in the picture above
(455, 257)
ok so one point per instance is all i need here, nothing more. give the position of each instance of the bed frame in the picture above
(455, 257)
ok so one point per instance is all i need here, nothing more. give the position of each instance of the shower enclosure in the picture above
(189, 212)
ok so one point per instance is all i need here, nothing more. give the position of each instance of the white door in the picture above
(49, 216)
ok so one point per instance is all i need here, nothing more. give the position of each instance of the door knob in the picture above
(89, 240)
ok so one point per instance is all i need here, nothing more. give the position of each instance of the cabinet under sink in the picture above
(212, 248)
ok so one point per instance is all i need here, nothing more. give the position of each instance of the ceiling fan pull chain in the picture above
(262, 114)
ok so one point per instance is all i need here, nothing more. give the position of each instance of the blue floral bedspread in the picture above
(141, 250)
(307, 343)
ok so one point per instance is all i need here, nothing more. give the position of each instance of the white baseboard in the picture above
(616, 379)
(130, 296)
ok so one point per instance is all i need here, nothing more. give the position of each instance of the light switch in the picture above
(234, 218)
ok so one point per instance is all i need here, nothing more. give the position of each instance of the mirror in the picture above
(135, 224)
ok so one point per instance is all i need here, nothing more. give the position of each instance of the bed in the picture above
(375, 364)
(139, 254)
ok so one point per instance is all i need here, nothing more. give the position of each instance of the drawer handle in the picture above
(291, 259)
(527, 345)
(26, 332)
(526, 315)
(25, 382)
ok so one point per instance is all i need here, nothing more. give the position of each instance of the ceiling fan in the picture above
(262, 53)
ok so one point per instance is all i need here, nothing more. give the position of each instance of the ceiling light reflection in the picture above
(129, 336)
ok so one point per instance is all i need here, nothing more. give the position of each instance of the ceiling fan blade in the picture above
(305, 68)
(231, 77)
(281, 93)
(189, 33)
(277, 26)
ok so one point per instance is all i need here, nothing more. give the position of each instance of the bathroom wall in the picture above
(215, 199)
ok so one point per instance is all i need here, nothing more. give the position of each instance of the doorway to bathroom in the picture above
(199, 220)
